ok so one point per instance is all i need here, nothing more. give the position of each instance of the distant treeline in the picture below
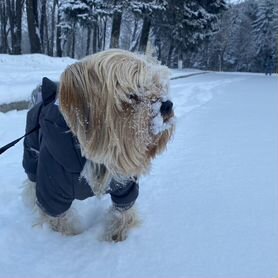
(196, 33)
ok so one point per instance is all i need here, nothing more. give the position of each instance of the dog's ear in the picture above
(72, 100)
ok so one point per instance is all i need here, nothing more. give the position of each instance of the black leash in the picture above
(6, 147)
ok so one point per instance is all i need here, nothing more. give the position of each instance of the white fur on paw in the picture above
(66, 224)
(119, 223)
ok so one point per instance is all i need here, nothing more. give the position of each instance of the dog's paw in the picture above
(118, 224)
(66, 224)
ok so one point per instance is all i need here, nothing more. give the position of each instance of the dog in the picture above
(100, 128)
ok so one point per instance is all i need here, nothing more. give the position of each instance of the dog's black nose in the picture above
(166, 107)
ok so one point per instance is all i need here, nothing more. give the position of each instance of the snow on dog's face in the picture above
(116, 103)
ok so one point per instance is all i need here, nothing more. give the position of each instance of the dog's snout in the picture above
(166, 107)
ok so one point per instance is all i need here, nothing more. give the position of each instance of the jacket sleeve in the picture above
(124, 194)
(31, 143)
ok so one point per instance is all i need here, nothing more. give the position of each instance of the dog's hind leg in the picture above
(68, 223)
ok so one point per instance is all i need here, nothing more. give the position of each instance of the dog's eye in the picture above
(134, 97)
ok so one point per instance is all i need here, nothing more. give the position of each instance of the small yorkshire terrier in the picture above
(100, 128)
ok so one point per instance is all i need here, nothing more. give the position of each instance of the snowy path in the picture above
(209, 206)
(230, 161)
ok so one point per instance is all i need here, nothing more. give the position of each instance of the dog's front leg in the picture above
(119, 222)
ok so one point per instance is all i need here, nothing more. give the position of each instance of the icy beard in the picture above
(158, 125)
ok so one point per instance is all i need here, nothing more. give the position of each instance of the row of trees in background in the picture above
(247, 39)
(201, 33)
(79, 27)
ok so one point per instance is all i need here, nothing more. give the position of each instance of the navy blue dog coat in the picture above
(52, 159)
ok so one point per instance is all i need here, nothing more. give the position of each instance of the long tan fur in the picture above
(106, 100)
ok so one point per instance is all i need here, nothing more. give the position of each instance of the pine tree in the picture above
(89, 15)
(73, 12)
(265, 30)
(146, 10)
(232, 47)
(184, 25)
(242, 43)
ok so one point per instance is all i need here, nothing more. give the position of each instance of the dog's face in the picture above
(117, 105)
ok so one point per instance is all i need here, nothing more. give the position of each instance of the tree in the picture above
(43, 27)
(33, 25)
(146, 10)
(4, 47)
(89, 15)
(232, 46)
(242, 42)
(69, 15)
(15, 8)
(11, 20)
(184, 25)
(265, 30)
(117, 12)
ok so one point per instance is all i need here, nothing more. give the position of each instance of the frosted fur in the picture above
(114, 128)
(158, 124)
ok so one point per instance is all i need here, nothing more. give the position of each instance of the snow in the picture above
(19, 75)
(209, 207)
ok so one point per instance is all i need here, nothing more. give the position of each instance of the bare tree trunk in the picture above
(89, 34)
(134, 30)
(4, 48)
(158, 47)
(42, 24)
(58, 36)
(134, 38)
(170, 53)
(18, 26)
(10, 10)
(67, 45)
(73, 42)
(94, 39)
(99, 38)
(220, 63)
(145, 34)
(180, 59)
(52, 32)
(32, 20)
(47, 42)
(14, 9)
(116, 29)
(100, 33)
(104, 33)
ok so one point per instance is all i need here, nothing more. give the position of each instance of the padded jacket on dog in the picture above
(52, 158)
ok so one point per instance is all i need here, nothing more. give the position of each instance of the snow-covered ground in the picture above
(209, 207)
(19, 75)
